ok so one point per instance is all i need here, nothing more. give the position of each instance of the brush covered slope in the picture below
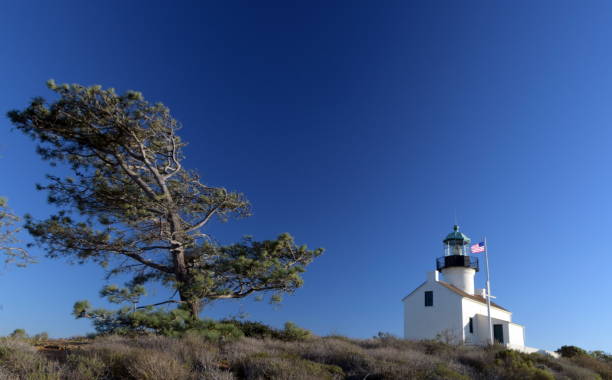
(260, 352)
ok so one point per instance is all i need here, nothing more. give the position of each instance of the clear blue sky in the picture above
(360, 127)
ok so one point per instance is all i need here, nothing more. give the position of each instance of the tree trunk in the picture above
(194, 307)
(182, 278)
(185, 286)
(193, 304)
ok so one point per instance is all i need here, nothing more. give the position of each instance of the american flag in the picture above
(478, 248)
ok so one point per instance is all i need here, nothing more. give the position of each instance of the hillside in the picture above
(282, 357)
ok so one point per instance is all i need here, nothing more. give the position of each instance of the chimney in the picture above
(433, 276)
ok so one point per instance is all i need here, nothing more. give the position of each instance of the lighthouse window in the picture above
(429, 298)
(471, 325)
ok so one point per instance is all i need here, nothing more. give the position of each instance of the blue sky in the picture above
(360, 127)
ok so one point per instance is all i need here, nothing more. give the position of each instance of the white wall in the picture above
(421, 322)
(452, 312)
(478, 311)
(460, 277)
(482, 329)
(516, 334)
(513, 333)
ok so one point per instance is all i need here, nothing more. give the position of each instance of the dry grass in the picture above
(194, 357)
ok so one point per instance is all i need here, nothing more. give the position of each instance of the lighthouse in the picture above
(457, 267)
(448, 305)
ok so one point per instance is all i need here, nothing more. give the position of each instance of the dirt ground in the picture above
(58, 349)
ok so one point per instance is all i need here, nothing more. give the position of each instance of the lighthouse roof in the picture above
(461, 293)
(476, 298)
(456, 237)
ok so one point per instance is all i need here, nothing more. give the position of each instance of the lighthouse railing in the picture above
(457, 261)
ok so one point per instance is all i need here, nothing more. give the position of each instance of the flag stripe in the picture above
(478, 248)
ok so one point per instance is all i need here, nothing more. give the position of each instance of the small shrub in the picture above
(40, 337)
(570, 351)
(390, 363)
(293, 332)
(84, 366)
(254, 329)
(19, 334)
(575, 372)
(479, 363)
(353, 360)
(449, 336)
(547, 361)
(388, 340)
(197, 352)
(520, 366)
(600, 355)
(443, 372)
(265, 366)
(434, 347)
(598, 366)
(340, 338)
(114, 353)
(20, 359)
(155, 365)
(216, 331)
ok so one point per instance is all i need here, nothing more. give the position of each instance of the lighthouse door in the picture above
(498, 333)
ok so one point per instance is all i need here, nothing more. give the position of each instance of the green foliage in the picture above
(570, 351)
(601, 367)
(176, 322)
(290, 333)
(19, 334)
(478, 363)
(520, 366)
(547, 361)
(603, 356)
(40, 337)
(597, 361)
(253, 329)
(8, 239)
(443, 372)
(293, 332)
(118, 295)
(131, 206)
(249, 266)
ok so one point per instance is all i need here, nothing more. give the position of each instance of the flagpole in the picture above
(488, 292)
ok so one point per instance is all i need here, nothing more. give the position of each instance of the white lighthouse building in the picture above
(450, 307)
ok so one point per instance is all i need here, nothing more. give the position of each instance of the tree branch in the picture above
(146, 262)
(159, 303)
(241, 294)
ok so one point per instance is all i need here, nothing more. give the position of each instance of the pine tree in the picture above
(131, 206)
(8, 237)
